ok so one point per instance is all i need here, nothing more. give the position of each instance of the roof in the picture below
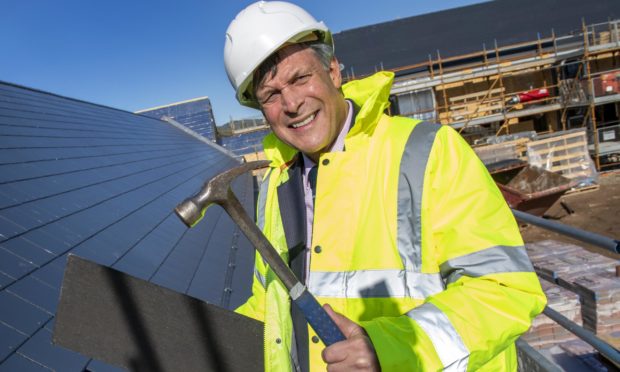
(102, 183)
(195, 114)
(205, 98)
(458, 31)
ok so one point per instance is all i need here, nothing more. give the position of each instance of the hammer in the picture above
(217, 190)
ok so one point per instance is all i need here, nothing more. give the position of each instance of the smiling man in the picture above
(301, 99)
(392, 223)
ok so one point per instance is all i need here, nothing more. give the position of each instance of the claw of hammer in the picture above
(215, 190)
(218, 191)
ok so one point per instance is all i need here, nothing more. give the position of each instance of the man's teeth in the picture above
(302, 123)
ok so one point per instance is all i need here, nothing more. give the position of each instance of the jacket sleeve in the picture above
(491, 291)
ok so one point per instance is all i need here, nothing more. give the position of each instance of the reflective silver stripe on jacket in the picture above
(498, 259)
(261, 205)
(374, 284)
(260, 278)
(447, 342)
(410, 187)
(262, 200)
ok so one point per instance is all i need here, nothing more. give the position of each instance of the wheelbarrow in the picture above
(528, 188)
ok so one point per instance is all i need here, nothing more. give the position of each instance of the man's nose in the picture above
(292, 100)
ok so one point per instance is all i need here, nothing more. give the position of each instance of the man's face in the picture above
(302, 101)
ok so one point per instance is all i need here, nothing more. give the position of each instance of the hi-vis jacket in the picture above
(411, 239)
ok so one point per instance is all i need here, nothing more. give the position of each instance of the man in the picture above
(403, 233)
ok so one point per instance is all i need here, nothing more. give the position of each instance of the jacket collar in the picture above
(370, 95)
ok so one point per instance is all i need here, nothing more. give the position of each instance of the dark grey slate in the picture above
(21, 315)
(195, 114)
(4, 280)
(14, 266)
(101, 183)
(51, 273)
(18, 362)
(10, 339)
(40, 349)
(37, 293)
(27, 251)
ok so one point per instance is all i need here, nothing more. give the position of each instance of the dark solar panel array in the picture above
(463, 30)
(102, 183)
(244, 143)
(196, 115)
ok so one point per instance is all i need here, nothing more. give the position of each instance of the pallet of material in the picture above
(477, 96)
(563, 152)
(547, 256)
(583, 265)
(473, 110)
(480, 106)
(515, 149)
(589, 275)
(564, 263)
(545, 332)
(473, 105)
(600, 298)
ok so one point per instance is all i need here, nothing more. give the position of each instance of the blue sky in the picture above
(136, 54)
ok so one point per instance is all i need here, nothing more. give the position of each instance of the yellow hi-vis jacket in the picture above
(411, 239)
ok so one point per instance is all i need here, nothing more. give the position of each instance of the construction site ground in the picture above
(596, 210)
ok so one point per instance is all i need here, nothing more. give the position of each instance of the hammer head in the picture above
(216, 190)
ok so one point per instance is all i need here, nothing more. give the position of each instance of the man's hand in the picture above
(354, 353)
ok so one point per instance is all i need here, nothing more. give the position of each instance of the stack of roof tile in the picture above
(552, 259)
(589, 275)
(545, 332)
(565, 262)
(600, 299)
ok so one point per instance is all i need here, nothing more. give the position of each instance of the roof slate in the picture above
(101, 183)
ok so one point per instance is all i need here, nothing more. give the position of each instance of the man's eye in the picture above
(268, 98)
(301, 79)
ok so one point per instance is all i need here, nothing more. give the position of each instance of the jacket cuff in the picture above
(400, 341)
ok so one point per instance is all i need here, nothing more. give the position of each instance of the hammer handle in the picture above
(316, 316)
(318, 319)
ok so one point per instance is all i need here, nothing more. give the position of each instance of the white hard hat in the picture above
(257, 32)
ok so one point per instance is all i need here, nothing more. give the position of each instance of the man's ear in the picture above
(334, 73)
(264, 116)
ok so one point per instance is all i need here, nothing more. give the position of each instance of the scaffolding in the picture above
(543, 85)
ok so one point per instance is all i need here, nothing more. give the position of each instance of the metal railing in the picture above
(603, 347)
(601, 241)
(613, 245)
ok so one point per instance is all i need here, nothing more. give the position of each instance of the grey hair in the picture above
(325, 53)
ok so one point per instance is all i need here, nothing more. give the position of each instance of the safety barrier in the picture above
(608, 351)
(573, 232)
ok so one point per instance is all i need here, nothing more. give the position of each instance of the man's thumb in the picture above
(345, 325)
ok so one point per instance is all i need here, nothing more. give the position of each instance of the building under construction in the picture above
(244, 137)
(543, 68)
(87, 192)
